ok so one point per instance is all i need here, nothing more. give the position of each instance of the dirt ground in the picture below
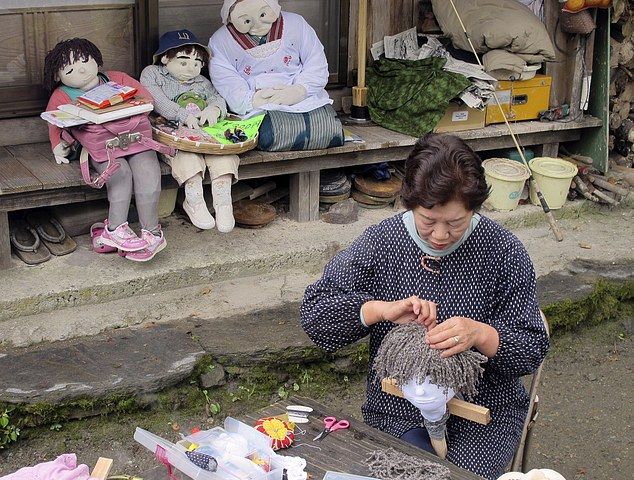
(583, 431)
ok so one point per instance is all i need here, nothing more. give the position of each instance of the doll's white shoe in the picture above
(221, 193)
(195, 206)
(224, 218)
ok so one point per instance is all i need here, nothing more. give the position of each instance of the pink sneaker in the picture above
(123, 238)
(155, 245)
(98, 246)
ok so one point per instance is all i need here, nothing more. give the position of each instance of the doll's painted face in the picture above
(254, 17)
(428, 397)
(185, 66)
(80, 73)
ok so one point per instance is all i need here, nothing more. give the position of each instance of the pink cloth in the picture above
(63, 467)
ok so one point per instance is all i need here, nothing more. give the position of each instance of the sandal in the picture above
(51, 232)
(26, 243)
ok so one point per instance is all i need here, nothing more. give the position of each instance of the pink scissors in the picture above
(330, 425)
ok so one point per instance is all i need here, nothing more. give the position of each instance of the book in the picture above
(106, 95)
(62, 119)
(126, 109)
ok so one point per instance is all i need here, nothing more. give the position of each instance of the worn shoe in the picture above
(98, 246)
(221, 193)
(195, 206)
(199, 214)
(224, 218)
(123, 238)
(155, 245)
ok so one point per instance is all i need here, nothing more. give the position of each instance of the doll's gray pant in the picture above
(139, 174)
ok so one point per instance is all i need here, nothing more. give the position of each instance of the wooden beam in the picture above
(460, 408)
(5, 243)
(102, 468)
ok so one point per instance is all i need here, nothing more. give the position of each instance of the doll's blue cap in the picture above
(174, 39)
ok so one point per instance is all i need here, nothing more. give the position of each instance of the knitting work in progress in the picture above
(404, 356)
(391, 465)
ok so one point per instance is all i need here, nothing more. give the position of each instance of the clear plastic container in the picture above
(231, 467)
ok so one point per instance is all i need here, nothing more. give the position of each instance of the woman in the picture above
(463, 276)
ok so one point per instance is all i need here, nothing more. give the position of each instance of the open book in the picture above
(122, 110)
(62, 119)
(106, 95)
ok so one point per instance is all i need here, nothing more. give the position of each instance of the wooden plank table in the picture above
(344, 450)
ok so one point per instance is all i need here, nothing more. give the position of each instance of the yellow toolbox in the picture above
(520, 100)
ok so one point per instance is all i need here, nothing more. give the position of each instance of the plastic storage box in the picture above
(235, 469)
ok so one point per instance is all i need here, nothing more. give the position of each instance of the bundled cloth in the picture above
(505, 25)
(63, 467)
(411, 96)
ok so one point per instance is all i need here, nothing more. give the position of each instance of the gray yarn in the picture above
(437, 429)
(391, 465)
(404, 355)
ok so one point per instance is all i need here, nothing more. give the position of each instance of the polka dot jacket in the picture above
(489, 278)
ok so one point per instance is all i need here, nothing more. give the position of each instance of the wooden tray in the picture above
(207, 147)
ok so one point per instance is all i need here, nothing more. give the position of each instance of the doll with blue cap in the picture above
(182, 95)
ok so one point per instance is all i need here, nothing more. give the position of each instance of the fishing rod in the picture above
(549, 214)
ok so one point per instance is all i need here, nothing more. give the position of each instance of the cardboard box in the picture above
(520, 100)
(460, 117)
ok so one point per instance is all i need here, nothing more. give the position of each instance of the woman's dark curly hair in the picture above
(60, 56)
(442, 168)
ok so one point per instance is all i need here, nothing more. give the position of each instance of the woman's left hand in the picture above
(455, 335)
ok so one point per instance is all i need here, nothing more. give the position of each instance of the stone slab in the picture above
(125, 361)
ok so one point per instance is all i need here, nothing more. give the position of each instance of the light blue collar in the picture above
(410, 225)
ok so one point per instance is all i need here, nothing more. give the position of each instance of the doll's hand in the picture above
(192, 122)
(262, 97)
(209, 115)
(288, 94)
(61, 151)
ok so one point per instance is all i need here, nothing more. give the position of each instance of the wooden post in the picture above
(304, 196)
(5, 243)
(102, 468)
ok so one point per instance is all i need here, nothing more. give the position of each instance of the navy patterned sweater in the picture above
(488, 278)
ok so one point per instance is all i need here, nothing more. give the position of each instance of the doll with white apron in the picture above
(264, 59)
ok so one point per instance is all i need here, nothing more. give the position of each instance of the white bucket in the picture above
(554, 176)
(506, 179)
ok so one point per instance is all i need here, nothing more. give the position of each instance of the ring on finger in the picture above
(456, 339)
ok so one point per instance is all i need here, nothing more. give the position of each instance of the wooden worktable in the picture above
(344, 450)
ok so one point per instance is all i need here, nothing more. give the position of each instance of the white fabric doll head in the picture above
(254, 17)
(74, 63)
(428, 397)
(182, 54)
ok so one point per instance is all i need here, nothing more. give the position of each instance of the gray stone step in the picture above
(195, 257)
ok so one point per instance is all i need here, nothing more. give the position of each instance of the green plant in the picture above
(8, 432)
(211, 408)
(282, 393)
(56, 427)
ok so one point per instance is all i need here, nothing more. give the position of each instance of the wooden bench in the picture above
(30, 178)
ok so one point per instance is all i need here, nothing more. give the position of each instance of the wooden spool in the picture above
(250, 214)
(378, 188)
(371, 199)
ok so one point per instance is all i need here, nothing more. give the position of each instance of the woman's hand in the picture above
(457, 334)
(408, 310)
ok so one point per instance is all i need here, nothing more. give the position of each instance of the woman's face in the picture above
(442, 225)
(254, 17)
(80, 73)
